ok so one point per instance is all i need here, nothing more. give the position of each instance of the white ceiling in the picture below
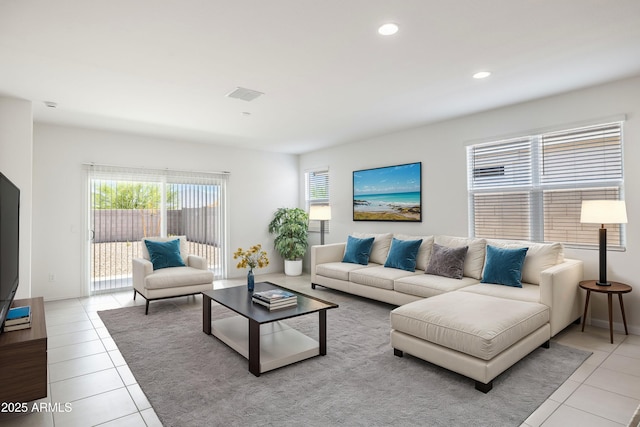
(163, 67)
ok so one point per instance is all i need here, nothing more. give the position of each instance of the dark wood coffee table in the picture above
(259, 334)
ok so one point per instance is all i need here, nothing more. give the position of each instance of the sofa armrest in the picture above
(321, 254)
(559, 290)
(141, 269)
(198, 262)
(333, 252)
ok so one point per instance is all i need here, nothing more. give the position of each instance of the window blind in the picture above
(588, 155)
(562, 217)
(501, 164)
(502, 214)
(317, 193)
(580, 164)
(505, 166)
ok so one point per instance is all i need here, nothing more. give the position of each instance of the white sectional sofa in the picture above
(473, 328)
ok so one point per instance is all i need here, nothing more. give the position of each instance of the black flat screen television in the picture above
(9, 244)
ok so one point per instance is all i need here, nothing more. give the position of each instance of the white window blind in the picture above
(502, 214)
(590, 155)
(317, 193)
(505, 164)
(580, 164)
(500, 177)
(562, 217)
(532, 187)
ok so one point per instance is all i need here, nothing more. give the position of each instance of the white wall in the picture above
(260, 182)
(441, 148)
(16, 150)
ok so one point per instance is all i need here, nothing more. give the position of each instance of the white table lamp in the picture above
(321, 213)
(603, 212)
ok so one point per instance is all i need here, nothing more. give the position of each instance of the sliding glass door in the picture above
(126, 205)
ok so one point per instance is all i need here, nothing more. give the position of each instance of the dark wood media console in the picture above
(23, 357)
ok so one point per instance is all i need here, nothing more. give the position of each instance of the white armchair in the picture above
(170, 282)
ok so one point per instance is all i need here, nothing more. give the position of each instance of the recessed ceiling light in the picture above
(388, 29)
(481, 75)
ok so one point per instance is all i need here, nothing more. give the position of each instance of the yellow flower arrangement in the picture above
(252, 257)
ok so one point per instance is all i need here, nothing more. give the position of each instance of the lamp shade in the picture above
(320, 212)
(603, 212)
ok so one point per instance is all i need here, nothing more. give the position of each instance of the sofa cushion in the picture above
(479, 325)
(164, 254)
(428, 285)
(378, 277)
(474, 261)
(447, 262)
(402, 254)
(503, 266)
(177, 276)
(424, 253)
(540, 256)
(527, 292)
(380, 248)
(357, 250)
(339, 270)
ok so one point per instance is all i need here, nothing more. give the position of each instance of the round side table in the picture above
(615, 288)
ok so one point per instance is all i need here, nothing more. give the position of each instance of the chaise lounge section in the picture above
(473, 328)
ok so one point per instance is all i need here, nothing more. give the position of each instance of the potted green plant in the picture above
(290, 225)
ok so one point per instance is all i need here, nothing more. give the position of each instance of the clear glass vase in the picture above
(250, 281)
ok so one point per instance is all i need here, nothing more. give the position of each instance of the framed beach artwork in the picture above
(391, 193)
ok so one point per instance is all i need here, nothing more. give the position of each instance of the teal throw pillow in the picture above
(358, 250)
(164, 254)
(504, 266)
(403, 254)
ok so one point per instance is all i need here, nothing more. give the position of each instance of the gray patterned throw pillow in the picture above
(447, 262)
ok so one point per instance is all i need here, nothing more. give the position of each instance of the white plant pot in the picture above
(293, 268)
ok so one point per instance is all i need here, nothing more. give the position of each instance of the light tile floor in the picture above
(87, 371)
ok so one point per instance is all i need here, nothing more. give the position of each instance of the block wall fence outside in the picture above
(127, 225)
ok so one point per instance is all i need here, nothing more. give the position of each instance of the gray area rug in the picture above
(192, 379)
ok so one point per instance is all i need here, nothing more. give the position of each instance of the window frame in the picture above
(541, 186)
(206, 190)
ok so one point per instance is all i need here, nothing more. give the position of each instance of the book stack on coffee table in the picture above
(18, 318)
(275, 298)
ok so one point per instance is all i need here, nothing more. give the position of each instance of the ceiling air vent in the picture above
(244, 94)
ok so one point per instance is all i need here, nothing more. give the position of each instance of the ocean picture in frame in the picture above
(391, 193)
